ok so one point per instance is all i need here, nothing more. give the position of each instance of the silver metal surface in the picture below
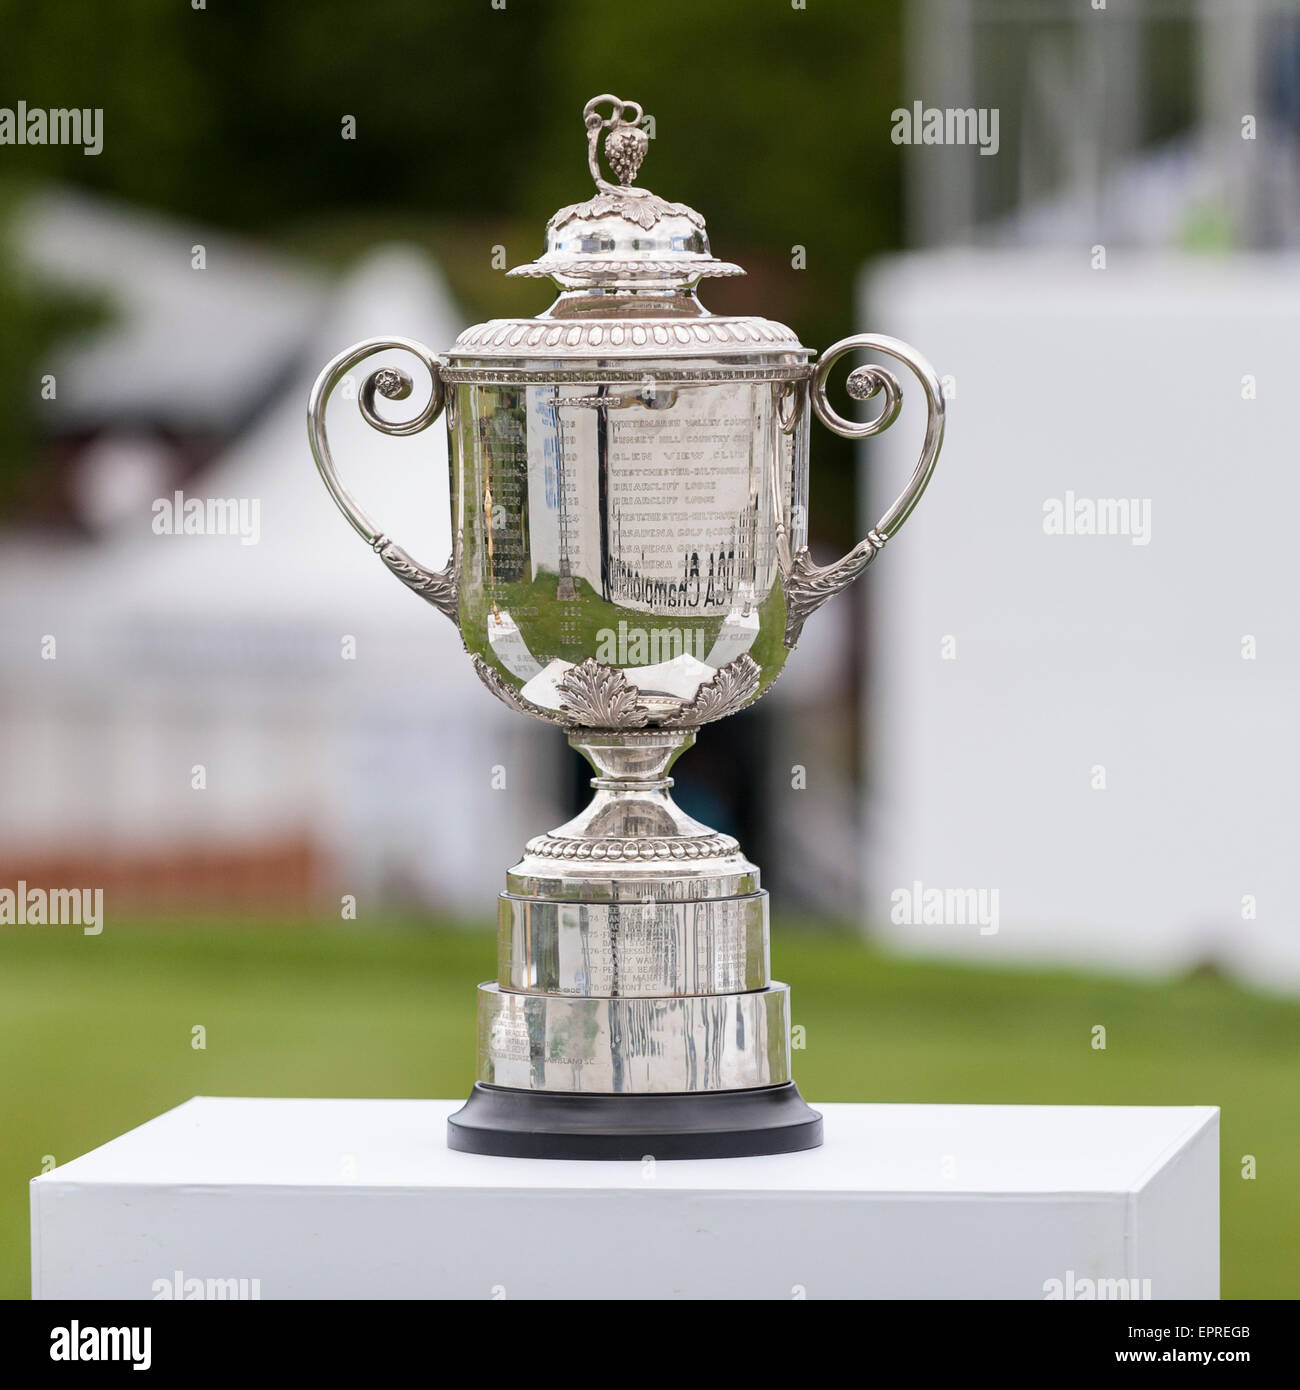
(615, 559)
(629, 490)
(624, 237)
(643, 949)
(706, 1042)
(669, 328)
(807, 585)
(632, 843)
(863, 384)
(438, 587)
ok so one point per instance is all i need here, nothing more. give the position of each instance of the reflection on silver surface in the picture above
(647, 949)
(718, 1042)
(644, 540)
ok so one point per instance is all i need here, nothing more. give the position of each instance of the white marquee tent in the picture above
(179, 650)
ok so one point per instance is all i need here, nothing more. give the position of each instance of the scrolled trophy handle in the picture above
(438, 587)
(807, 585)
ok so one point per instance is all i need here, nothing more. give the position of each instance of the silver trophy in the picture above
(629, 480)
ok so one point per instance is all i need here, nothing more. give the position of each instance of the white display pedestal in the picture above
(363, 1199)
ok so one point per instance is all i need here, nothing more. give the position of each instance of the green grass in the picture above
(95, 1034)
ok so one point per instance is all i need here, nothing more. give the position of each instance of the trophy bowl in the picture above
(629, 487)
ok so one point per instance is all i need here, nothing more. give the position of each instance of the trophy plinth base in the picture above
(713, 1124)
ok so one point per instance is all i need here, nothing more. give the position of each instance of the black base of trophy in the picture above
(716, 1124)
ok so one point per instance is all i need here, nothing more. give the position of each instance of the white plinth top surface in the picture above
(890, 1149)
(340, 1199)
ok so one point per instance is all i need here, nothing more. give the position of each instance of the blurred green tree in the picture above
(33, 321)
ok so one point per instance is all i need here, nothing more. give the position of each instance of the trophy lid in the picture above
(624, 238)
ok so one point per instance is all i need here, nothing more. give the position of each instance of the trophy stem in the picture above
(633, 791)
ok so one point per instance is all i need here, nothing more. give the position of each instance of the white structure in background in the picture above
(1100, 728)
(185, 347)
(180, 650)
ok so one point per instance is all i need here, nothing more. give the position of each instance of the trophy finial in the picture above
(625, 237)
(625, 145)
